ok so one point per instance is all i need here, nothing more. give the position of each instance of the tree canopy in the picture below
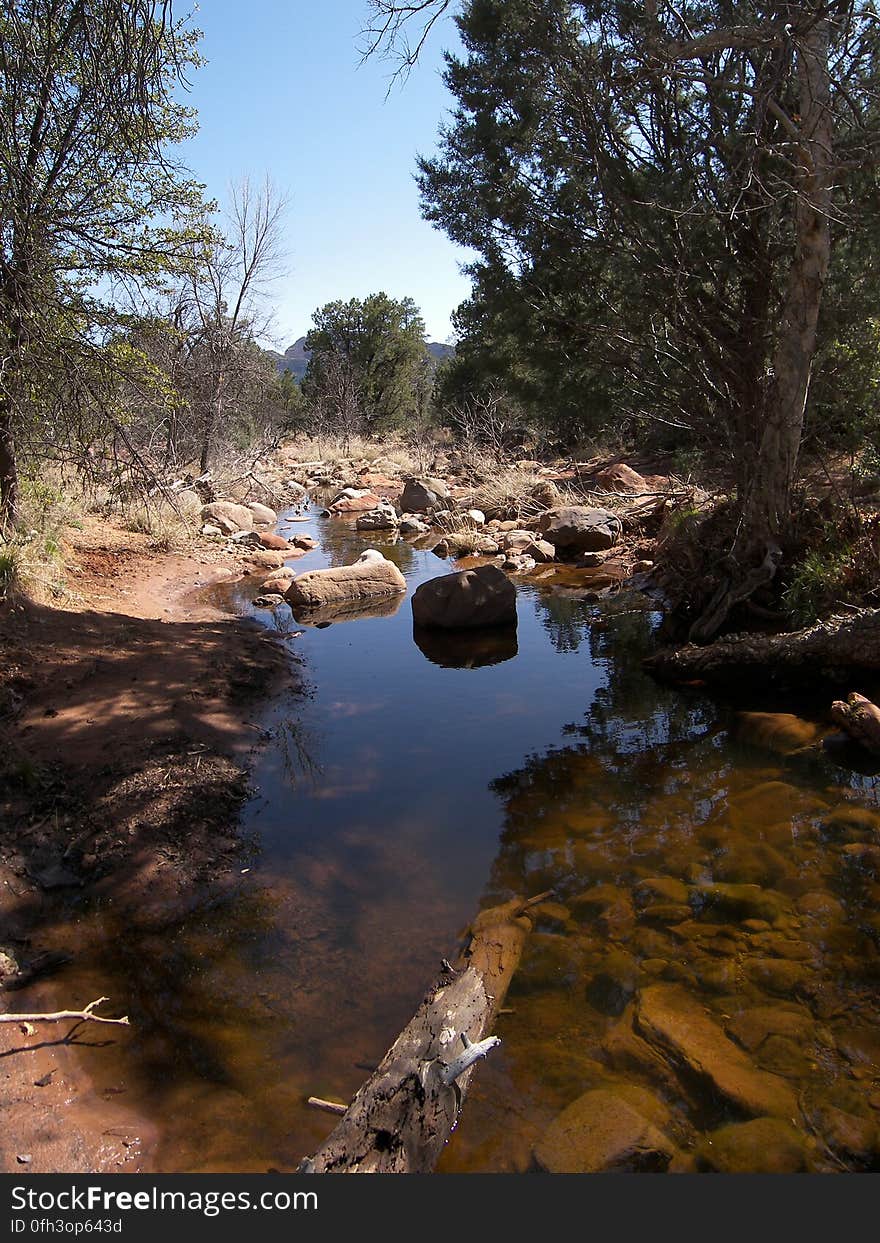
(659, 188)
(92, 205)
(369, 361)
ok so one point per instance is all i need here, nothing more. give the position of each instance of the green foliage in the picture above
(818, 580)
(9, 568)
(369, 364)
(92, 207)
(635, 225)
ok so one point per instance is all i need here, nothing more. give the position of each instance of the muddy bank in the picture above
(125, 723)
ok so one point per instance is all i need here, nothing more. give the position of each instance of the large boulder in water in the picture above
(480, 597)
(420, 495)
(371, 575)
(580, 528)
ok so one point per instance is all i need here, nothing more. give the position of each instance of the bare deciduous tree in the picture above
(227, 296)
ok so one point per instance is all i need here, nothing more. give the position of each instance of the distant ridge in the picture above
(295, 358)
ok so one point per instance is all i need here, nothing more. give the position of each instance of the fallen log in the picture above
(860, 719)
(400, 1119)
(828, 648)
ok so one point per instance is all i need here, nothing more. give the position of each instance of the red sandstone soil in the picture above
(126, 720)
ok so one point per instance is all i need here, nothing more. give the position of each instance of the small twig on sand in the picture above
(61, 1016)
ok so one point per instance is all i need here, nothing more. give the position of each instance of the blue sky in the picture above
(284, 93)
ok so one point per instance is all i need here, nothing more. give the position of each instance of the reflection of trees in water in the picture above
(298, 750)
(566, 620)
(642, 759)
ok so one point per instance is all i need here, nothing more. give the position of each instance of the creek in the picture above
(408, 783)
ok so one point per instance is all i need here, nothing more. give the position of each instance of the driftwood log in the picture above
(860, 718)
(403, 1115)
(830, 647)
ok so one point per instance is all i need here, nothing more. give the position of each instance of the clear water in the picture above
(405, 786)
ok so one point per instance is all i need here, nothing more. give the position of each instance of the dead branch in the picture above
(61, 1016)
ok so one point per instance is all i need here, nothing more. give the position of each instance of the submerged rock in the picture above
(780, 732)
(764, 1146)
(750, 1028)
(471, 598)
(614, 985)
(777, 975)
(738, 901)
(603, 1133)
(660, 889)
(675, 1022)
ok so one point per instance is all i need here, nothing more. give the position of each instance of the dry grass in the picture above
(411, 454)
(513, 493)
(171, 525)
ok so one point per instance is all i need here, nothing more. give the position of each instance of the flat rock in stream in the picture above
(673, 1021)
(371, 575)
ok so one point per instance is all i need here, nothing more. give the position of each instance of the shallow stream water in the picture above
(407, 785)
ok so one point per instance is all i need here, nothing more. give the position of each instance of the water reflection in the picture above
(469, 649)
(349, 610)
(411, 767)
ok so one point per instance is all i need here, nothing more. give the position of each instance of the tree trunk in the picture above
(766, 505)
(9, 496)
(832, 649)
(215, 412)
(403, 1115)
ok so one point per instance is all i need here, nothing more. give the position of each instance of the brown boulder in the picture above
(621, 478)
(603, 1133)
(371, 575)
(580, 528)
(672, 1020)
(483, 596)
(268, 539)
(764, 1146)
(228, 516)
